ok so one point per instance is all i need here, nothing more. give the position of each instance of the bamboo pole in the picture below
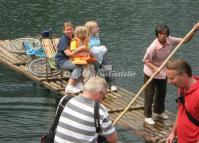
(159, 69)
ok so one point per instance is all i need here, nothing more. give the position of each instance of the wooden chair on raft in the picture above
(50, 49)
(46, 67)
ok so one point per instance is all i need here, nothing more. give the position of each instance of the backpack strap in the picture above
(59, 111)
(96, 117)
(190, 117)
(100, 138)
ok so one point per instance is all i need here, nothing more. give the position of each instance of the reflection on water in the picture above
(126, 28)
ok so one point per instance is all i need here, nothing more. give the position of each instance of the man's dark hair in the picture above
(162, 28)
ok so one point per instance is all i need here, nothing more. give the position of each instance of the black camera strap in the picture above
(100, 139)
(96, 117)
(59, 111)
(181, 100)
(190, 117)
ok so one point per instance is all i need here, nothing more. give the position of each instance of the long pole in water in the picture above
(159, 69)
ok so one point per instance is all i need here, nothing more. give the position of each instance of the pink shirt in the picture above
(157, 53)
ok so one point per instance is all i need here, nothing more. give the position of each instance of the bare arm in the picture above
(68, 53)
(112, 138)
(151, 66)
(81, 49)
(173, 133)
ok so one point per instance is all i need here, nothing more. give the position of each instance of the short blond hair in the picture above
(179, 65)
(96, 84)
(80, 31)
(89, 25)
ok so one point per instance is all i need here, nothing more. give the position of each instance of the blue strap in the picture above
(28, 48)
(30, 51)
(40, 53)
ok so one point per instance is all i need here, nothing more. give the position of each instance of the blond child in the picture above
(81, 53)
(99, 52)
(79, 47)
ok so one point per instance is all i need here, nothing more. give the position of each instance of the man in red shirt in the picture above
(179, 73)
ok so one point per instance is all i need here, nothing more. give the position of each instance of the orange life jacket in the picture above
(80, 58)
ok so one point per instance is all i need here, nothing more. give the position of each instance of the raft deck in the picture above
(115, 102)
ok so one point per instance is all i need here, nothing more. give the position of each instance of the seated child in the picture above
(99, 52)
(79, 47)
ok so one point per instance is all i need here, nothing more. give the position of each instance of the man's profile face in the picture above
(101, 95)
(174, 78)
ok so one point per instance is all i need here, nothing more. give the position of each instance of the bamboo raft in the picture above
(115, 102)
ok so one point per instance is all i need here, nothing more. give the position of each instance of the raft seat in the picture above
(50, 49)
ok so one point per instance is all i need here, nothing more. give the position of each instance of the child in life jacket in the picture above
(79, 47)
(81, 53)
(100, 53)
